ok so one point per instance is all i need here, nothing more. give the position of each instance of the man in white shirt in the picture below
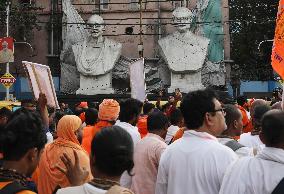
(234, 128)
(262, 173)
(130, 110)
(251, 139)
(196, 163)
(177, 122)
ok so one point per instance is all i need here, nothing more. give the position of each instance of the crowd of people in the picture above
(203, 144)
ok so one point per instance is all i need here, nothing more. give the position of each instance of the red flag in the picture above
(277, 57)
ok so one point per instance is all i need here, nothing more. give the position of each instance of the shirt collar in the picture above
(125, 124)
(202, 135)
(155, 136)
(272, 154)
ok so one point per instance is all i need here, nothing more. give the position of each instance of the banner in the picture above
(277, 57)
(137, 80)
(6, 50)
(41, 82)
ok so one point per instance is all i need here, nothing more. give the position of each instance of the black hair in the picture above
(23, 131)
(50, 110)
(176, 116)
(273, 128)
(112, 149)
(194, 106)
(232, 114)
(259, 111)
(91, 116)
(157, 121)
(129, 109)
(93, 105)
(58, 115)
(165, 106)
(241, 100)
(28, 101)
(5, 112)
(147, 107)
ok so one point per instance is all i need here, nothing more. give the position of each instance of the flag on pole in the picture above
(277, 57)
(137, 80)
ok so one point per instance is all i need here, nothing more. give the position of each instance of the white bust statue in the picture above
(184, 52)
(95, 58)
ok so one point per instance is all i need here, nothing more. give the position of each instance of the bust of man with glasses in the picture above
(184, 52)
(95, 58)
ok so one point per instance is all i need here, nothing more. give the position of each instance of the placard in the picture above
(41, 82)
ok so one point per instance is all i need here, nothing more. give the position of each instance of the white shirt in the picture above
(195, 164)
(49, 137)
(132, 130)
(241, 152)
(251, 141)
(255, 175)
(171, 133)
(125, 179)
(83, 189)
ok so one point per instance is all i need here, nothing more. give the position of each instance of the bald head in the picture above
(96, 26)
(277, 105)
(256, 103)
(272, 133)
(95, 19)
(182, 18)
(233, 119)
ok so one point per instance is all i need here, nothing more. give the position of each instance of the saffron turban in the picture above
(83, 105)
(109, 110)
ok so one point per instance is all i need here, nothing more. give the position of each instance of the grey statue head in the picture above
(182, 18)
(96, 26)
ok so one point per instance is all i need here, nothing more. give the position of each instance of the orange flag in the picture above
(277, 57)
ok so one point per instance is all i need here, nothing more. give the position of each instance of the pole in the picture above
(140, 46)
(52, 27)
(7, 34)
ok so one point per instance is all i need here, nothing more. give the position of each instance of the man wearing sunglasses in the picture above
(196, 163)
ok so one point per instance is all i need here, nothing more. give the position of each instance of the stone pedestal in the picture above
(92, 85)
(186, 82)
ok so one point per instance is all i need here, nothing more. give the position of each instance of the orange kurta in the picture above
(142, 125)
(248, 127)
(49, 175)
(90, 134)
(245, 116)
(178, 134)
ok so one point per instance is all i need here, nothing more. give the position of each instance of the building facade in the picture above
(125, 23)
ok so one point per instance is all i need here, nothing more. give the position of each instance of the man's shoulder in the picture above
(217, 148)
(112, 43)
(177, 35)
(79, 189)
(245, 137)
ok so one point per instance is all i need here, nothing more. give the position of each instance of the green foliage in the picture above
(252, 22)
(22, 21)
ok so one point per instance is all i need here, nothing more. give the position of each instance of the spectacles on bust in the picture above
(221, 110)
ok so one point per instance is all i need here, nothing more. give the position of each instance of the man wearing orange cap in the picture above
(107, 116)
(91, 117)
(242, 101)
(142, 121)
